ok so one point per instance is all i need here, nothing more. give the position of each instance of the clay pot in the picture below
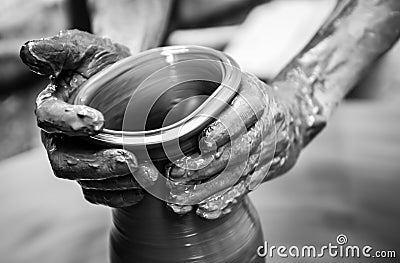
(155, 104)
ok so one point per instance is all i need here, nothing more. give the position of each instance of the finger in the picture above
(73, 51)
(147, 173)
(221, 204)
(180, 209)
(192, 194)
(121, 198)
(70, 159)
(248, 105)
(125, 182)
(78, 55)
(280, 151)
(57, 116)
(188, 168)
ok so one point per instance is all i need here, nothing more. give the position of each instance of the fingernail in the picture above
(98, 126)
(146, 174)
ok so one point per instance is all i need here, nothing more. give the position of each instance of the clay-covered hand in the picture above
(70, 58)
(239, 150)
(292, 111)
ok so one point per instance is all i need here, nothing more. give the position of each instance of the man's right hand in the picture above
(70, 58)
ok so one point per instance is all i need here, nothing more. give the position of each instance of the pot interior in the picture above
(156, 93)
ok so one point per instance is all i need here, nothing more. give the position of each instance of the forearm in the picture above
(138, 24)
(310, 88)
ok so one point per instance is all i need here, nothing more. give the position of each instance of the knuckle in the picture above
(120, 162)
(120, 155)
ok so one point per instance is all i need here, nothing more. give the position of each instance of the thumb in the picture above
(79, 55)
(73, 51)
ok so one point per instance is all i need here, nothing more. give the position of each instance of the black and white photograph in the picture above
(199, 131)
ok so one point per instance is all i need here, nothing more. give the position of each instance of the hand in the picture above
(70, 58)
(238, 157)
(308, 90)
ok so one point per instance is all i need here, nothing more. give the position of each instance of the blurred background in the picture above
(346, 181)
